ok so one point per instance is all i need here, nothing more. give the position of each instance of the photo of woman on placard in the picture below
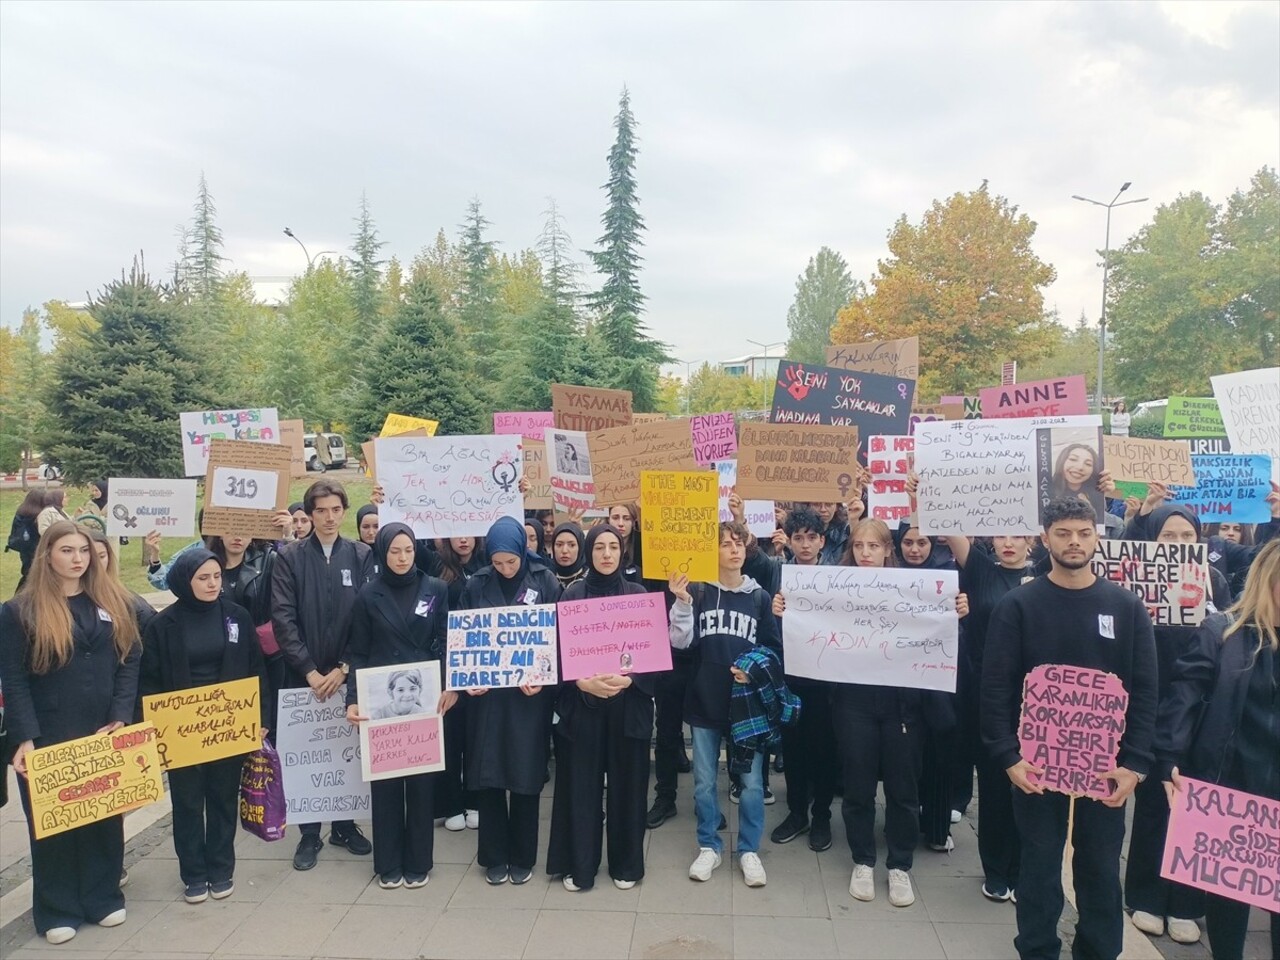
(568, 459)
(1070, 465)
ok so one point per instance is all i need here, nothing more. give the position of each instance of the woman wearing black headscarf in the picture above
(400, 616)
(202, 639)
(507, 729)
(605, 725)
(568, 556)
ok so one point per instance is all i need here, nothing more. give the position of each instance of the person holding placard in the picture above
(605, 725)
(301, 522)
(720, 621)
(1219, 722)
(625, 518)
(568, 554)
(401, 616)
(313, 591)
(508, 729)
(201, 639)
(1070, 617)
(69, 669)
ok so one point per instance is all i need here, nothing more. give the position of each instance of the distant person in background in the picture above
(367, 524)
(301, 522)
(1120, 420)
(52, 511)
(24, 536)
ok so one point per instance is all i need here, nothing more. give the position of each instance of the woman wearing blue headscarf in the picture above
(508, 729)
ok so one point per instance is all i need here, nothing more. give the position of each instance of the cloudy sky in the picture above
(767, 130)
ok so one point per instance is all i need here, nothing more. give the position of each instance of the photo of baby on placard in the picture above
(403, 690)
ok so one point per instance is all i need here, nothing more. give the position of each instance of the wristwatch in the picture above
(1142, 777)
(344, 667)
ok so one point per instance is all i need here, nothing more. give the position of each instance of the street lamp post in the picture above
(310, 260)
(1106, 269)
(688, 376)
(766, 347)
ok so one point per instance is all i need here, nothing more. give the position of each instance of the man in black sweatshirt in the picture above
(313, 590)
(1069, 617)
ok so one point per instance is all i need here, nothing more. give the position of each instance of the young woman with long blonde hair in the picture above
(69, 667)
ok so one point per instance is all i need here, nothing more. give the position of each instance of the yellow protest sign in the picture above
(398, 423)
(200, 724)
(90, 779)
(679, 524)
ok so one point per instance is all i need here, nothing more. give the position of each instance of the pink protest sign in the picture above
(714, 438)
(398, 748)
(524, 423)
(1059, 397)
(1226, 842)
(1071, 724)
(627, 634)
(889, 460)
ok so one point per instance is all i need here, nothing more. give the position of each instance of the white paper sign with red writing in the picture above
(1071, 724)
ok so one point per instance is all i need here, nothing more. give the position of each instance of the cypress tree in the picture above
(366, 273)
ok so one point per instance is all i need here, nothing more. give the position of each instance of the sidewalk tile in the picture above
(887, 940)
(454, 847)
(207, 924)
(570, 934)
(669, 892)
(276, 931)
(472, 891)
(960, 900)
(92, 938)
(679, 936)
(436, 895)
(249, 847)
(788, 893)
(64, 951)
(374, 932)
(967, 941)
(330, 881)
(603, 896)
(475, 935)
(153, 880)
(844, 907)
(768, 938)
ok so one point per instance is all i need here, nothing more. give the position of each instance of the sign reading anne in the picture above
(501, 647)
(1071, 724)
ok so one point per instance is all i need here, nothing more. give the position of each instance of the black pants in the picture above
(1228, 924)
(599, 749)
(810, 750)
(206, 799)
(1097, 838)
(508, 828)
(1144, 888)
(403, 828)
(668, 708)
(75, 874)
(937, 784)
(450, 797)
(878, 746)
(999, 848)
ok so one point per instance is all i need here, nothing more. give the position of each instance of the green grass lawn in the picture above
(131, 567)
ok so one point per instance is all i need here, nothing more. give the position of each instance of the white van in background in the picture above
(337, 451)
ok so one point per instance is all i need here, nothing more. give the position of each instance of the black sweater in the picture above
(1103, 627)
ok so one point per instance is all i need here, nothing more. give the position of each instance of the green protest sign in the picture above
(1188, 417)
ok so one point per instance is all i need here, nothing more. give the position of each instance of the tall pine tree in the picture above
(117, 391)
(200, 255)
(366, 272)
(420, 374)
(479, 316)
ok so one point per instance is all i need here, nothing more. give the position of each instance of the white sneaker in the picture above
(1148, 923)
(944, 847)
(623, 884)
(455, 823)
(112, 919)
(1183, 931)
(569, 884)
(59, 934)
(752, 869)
(473, 819)
(900, 892)
(955, 816)
(707, 861)
(862, 885)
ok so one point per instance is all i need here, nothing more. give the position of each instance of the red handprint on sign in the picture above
(1191, 591)
(794, 382)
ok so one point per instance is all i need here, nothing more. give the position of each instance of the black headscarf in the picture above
(931, 562)
(600, 584)
(364, 511)
(539, 536)
(101, 499)
(568, 574)
(179, 577)
(382, 546)
(295, 507)
(1160, 516)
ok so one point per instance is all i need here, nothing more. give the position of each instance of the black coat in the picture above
(576, 707)
(165, 666)
(382, 633)
(94, 688)
(253, 586)
(312, 599)
(507, 732)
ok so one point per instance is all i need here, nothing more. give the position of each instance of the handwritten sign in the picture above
(934, 411)
(320, 758)
(397, 424)
(535, 471)
(200, 724)
(627, 634)
(200, 428)
(1187, 417)
(1071, 723)
(872, 402)
(881, 626)
(714, 438)
(522, 423)
(1232, 488)
(889, 460)
(780, 462)
(679, 524)
(1171, 578)
(449, 486)
(589, 408)
(1250, 404)
(139, 506)
(977, 478)
(620, 453)
(573, 487)
(292, 436)
(1226, 842)
(93, 778)
(758, 514)
(1059, 397)
(1149, 461)
(405, 735)
(502, 647)
(893, 358)
(239, 467)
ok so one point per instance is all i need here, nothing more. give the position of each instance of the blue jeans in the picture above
(706, 803)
